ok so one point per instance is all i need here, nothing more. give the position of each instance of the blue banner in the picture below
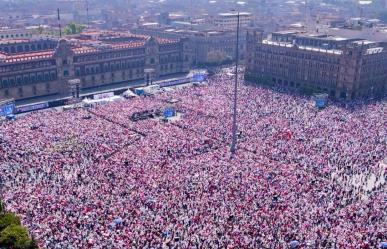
(321, 103)
(7, 108)
(169, 112)
(174, 82)
(199, 77)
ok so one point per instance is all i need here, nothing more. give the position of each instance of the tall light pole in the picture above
(60, 28)
(234, 115)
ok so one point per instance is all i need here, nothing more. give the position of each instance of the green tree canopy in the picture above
(15, 236)
(8, 219)
(2, 208)
(74, 28)
(33, 244)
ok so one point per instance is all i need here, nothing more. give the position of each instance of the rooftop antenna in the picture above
(306, 16)
(87, 14)
(361, 10)
(60, 27)
(191, 12)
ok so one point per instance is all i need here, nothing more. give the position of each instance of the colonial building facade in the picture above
(96, 59)
(343, 68)
(210, 47)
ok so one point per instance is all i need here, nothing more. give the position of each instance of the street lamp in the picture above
(234, 115)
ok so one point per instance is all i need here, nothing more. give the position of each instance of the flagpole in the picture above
(234, 116)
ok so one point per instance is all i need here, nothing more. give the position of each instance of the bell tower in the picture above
(64, 59)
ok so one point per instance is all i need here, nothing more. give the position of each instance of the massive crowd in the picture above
(92, 178)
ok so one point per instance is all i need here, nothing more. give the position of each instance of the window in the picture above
(65, 73)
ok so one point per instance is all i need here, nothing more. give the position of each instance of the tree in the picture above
(2, 207)
(40, 29)
(15, 236)
(8, 219)
(74, 28)
(33, 244)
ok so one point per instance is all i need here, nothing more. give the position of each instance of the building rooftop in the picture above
(232, 14)
(323, 37)
(363, 42)
(286, 32)
(291, 45)
(37, 55)
(375, 50)
(24, 40)
(88, 42)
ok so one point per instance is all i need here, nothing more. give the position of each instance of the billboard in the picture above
(321, 103)
(103, 95)
(199, 77)
(7, 108)
(174, 82)
(34, 107)
(321, 100)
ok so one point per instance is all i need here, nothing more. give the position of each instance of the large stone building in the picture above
(95, 58)
(343, 68)
(22, 45)
(209, 47)
(229, 21)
